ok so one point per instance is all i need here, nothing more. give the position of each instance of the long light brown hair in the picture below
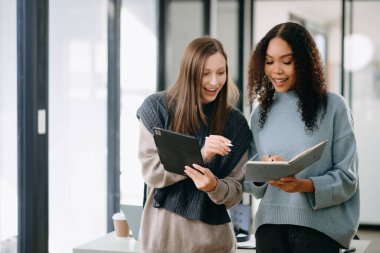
(184, 97)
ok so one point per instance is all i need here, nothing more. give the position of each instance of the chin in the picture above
(208, 100)
(281, 89)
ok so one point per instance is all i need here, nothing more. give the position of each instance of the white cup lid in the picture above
(118, 216)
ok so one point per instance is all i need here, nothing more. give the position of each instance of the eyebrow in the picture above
(285, 55)
(222, 68)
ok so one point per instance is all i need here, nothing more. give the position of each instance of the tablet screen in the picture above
(177, 150)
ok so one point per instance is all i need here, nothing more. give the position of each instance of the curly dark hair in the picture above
(310, 84)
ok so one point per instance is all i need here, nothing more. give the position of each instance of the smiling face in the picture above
(214, 77)
(279, 65)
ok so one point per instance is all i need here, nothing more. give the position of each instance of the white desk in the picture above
(111, 244)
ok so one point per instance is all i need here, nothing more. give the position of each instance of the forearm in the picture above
(152, 170)
(229, 190)
(341, 182)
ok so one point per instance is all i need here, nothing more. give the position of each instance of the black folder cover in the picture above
(177, 150)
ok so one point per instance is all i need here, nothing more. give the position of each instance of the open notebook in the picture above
(262, 171)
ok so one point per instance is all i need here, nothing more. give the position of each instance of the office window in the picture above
(228, 32)
(184, 23)
(363, 60)
(138, 79)
(315, 15)
(77, 123)
(8, 125)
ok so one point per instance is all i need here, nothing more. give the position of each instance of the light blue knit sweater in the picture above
(334, 206)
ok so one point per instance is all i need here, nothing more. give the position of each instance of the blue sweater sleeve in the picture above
(341, 182)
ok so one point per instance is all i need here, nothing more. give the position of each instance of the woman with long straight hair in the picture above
(189, 213)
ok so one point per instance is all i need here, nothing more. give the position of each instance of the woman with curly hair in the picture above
(316, 210)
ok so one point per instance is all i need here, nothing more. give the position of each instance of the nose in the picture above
(213, 79)
(277, 68)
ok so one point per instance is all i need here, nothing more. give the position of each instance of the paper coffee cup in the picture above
(120, 225)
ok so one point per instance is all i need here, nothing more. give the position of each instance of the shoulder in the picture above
(337, 101)
(154, 102)
(236, 121)
(158, 98)
(255, 110)
(338, 106)
(236, 115)
(255, 115)
(153, 110)
(339, 111)
(237, 128)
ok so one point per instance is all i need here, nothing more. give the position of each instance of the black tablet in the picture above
(177, 150)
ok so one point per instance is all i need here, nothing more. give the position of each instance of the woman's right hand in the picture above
(215, 145)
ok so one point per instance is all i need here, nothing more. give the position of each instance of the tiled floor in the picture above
(372, 234)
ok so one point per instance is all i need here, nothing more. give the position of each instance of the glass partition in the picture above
(8, 126)
(322, 19)
(227, 24)
(184, 23)
(363, 63)
(77, 122)
(138, 79)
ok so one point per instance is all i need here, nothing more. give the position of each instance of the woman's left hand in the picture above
(293, 184)
(203, 178)
(215, 145)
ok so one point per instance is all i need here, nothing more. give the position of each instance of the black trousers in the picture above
(271, 238)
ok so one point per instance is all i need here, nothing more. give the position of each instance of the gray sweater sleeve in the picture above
(152, 169)
(229, 190)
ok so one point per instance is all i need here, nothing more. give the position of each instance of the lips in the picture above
(279, 81)
(211, 91)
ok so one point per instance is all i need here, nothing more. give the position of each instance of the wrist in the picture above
(204, 157)
(213, 185)
(308, 185)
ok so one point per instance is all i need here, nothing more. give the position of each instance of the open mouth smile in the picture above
(210, 92)
(279, 82)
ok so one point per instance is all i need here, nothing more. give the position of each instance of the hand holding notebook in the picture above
(263, 171)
